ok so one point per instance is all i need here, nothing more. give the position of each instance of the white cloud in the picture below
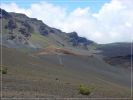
(113, 22)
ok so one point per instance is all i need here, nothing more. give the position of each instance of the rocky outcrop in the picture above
(77, 40)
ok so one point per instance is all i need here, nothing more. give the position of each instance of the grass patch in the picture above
(3, 70)
(85, 89)
(42, 40)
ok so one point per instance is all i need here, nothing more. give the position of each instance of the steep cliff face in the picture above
(20, 30)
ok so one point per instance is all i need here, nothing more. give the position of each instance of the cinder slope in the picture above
(44, 76)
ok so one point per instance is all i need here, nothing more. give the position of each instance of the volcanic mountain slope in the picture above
(22, 31)
(46, 62)
(115, 49)
(45, 77)
(117, 54)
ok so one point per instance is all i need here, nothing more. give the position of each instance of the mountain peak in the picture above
(4, 14)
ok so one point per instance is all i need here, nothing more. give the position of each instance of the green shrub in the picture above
(85, 89)
(3, 70)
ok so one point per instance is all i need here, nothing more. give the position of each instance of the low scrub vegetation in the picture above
(85, 89)
(3, 70)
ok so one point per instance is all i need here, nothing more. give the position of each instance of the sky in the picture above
(95, 5)
(103, 21)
